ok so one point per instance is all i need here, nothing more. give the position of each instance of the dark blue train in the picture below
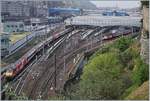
(64, 11)
(114, 13)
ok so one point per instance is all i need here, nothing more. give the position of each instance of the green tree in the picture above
(123, 43)
(101, 78)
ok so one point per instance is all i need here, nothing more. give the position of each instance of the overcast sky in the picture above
(120, 4)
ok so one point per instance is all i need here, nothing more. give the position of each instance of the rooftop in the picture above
(104, 20)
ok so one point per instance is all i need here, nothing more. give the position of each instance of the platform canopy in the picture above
(104, 21)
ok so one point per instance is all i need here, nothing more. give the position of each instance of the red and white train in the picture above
(22, 63)
(115, 35)
(19, 65)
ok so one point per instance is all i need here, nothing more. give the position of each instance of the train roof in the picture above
(104, 20)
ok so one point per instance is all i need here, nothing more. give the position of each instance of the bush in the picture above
(103, 50)
(129, 55)
(140, 72)
(101, 78)
(123, 43)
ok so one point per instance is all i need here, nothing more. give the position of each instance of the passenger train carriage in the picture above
(22, 63)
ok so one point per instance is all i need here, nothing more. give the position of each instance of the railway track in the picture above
(49, 81)
(46, 71)
(47, 76)
(46, 79)
(18, 82)
(22, 80)
(37, 85)
(19, 77)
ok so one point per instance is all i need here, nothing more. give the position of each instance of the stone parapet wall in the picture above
(145, 18)
(145, 32)
(145, 49)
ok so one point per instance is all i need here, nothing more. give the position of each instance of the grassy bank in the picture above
(17, 36)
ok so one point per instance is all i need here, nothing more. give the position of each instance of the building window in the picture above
(3, 49)
(12, 25)
(2, 40)
(8, 26)
(21, 25)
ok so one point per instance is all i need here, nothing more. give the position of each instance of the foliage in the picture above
(101, 78)
(123, 43)
(128, 91)
(126, 78)
(98, 79)
(105, 49)
(130, 54)
(140, 72)
(145, 3)
(101, 51)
